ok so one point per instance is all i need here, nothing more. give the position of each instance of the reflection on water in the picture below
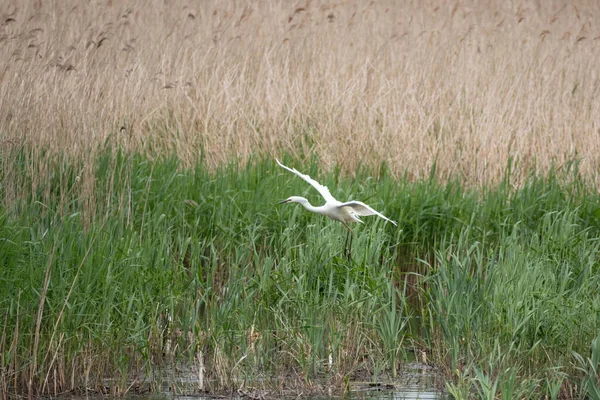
(402, 394)
(407, 396)
(416, 381)
(399, 393)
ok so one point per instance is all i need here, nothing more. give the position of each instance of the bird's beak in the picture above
(283, 201)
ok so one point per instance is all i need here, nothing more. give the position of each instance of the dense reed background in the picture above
(138, 226)
(465, 85)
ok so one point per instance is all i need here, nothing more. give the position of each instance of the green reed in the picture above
(115, 271)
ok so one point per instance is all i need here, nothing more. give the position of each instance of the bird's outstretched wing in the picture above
(323, 190)
(362, 209)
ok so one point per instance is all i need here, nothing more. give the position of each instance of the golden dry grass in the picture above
(468, 84)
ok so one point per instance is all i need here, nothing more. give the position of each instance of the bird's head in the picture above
(293, 199)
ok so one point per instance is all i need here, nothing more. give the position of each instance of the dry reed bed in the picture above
(465, 85)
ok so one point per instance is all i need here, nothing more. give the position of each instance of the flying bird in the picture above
(347, 212)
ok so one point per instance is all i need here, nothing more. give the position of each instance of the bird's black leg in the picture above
(348, 242)
(350, 247)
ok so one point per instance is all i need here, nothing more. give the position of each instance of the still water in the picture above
(416, 381)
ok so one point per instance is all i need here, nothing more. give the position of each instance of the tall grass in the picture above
(138, 226)
(162, 265)
(463, 85)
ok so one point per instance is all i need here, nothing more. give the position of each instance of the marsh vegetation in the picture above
(138, 222)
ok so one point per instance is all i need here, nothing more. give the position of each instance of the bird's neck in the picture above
(306, 204)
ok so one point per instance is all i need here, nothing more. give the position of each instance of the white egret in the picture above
(347, 212)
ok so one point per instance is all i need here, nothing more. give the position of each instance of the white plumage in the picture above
(349, 211)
